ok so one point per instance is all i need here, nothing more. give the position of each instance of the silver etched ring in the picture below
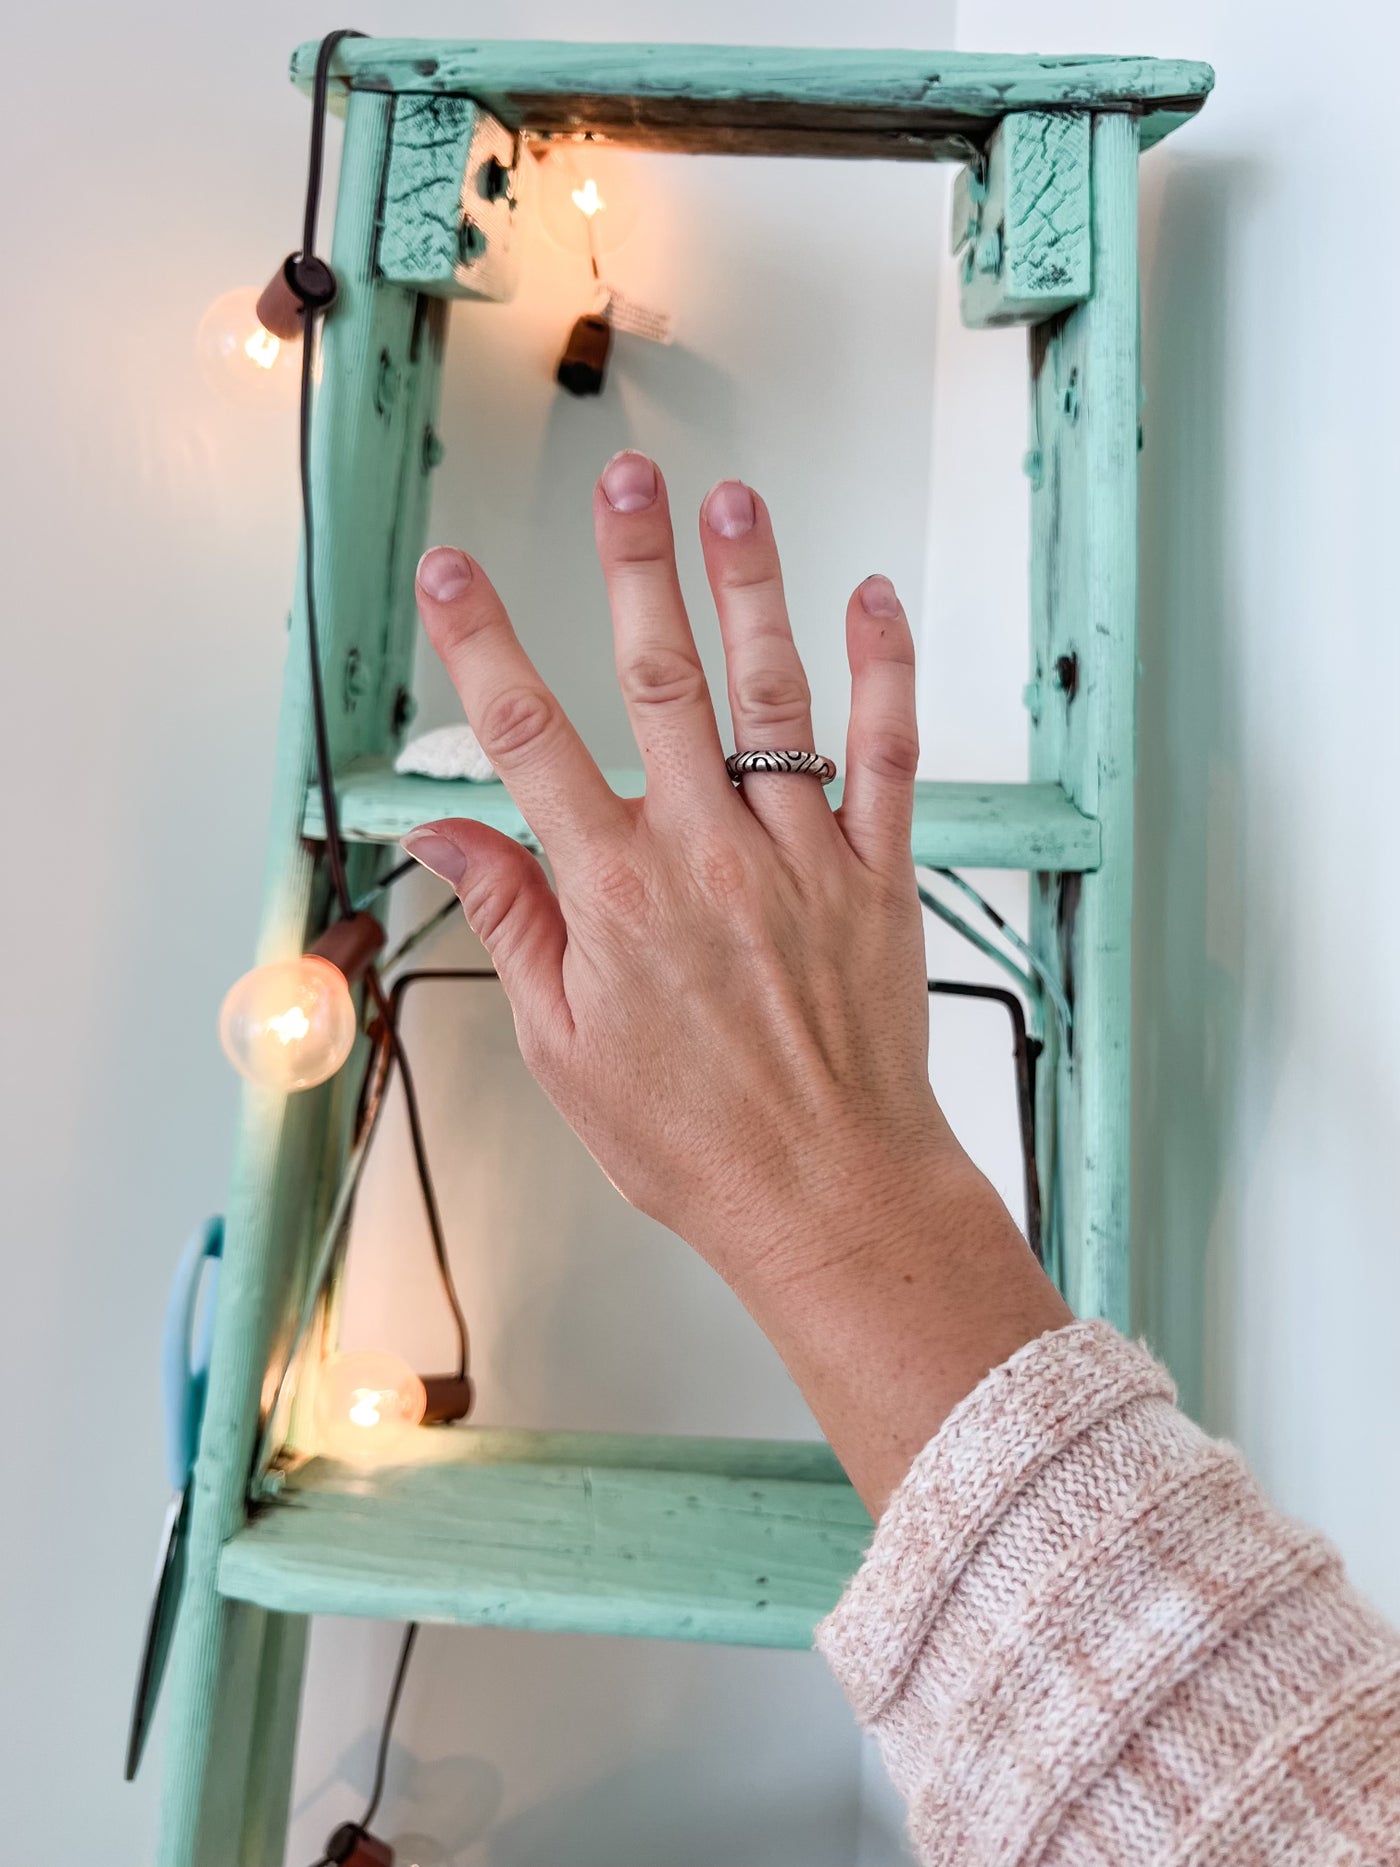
(740, 764)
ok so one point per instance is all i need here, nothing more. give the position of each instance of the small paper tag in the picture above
(625, 314)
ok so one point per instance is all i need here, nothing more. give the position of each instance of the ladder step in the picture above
(742, 1542)
(766, 100)
(956, 826)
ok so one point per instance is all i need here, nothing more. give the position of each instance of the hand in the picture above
(726, 995)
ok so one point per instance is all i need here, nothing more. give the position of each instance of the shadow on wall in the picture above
(616, 1772)
(1193, 949)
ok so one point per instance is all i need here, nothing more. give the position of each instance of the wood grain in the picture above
(736, 1541)
(235, 1673)
(976, 826)
(757, 100)
(1024, 229)
(444, 229)
(1084, 422)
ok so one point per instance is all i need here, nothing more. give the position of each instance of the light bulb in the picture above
(586, 200)
(289, 1025)
(367, 1403)
(241, 358)
(415, 1850)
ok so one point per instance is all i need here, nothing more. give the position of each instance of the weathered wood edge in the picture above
(1083, 463)
(1021, 219)
(447, 217)
(233, 1689)
(956, 825)
(635, 92)
(746, 1542)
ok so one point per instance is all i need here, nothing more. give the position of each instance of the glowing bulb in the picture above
(289, 1025)
(415, 1850)
(241, 359)
(586, 201)
(367, 1403)
(263, 349)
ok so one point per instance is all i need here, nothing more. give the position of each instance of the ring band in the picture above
(739, 764)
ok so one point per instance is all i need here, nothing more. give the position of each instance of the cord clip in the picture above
(301, 283)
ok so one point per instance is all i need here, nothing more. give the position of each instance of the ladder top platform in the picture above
(762, 100)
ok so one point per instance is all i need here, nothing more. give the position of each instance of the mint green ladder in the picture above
(738, 1541)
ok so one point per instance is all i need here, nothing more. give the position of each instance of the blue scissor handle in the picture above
(185, 1346)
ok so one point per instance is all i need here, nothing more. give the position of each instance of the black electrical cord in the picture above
(347, 1837)
(1025, 1051)
(381, 1761)
(425, 1179)
(1025, 1054)
(335, 853)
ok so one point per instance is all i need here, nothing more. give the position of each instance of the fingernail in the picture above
(443, 574)
(877, 597)
(437, 853)
(729, 509)
(629, 482)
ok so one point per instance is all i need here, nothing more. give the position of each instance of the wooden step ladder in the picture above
(737, 1541)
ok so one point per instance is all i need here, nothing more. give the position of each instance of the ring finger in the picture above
(770, 702)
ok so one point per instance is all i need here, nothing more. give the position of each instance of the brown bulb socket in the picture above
(585, 360)
(352, 945)
(279, 308)
(351, 1846)
(297, 285)
(450, 1397)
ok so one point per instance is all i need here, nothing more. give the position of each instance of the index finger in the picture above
(526, 734)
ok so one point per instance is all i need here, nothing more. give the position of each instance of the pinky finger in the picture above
(882, 743)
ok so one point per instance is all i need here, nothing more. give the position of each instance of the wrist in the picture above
(890, 1296)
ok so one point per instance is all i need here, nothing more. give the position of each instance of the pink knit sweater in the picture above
(1084, 1639)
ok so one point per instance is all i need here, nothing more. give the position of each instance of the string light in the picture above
(587, 204)
(587, 198)
(367, 1405)
(241, 358)
(291, 1024)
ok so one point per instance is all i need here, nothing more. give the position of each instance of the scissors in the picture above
(185, 1344)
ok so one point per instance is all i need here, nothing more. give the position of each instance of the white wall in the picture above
(149, 537)
(1267, 1075)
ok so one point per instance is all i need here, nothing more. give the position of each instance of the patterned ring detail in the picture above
(739, 764)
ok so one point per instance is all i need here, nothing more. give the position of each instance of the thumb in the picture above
(509, 906)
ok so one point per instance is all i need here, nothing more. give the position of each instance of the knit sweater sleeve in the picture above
(1084, 1639)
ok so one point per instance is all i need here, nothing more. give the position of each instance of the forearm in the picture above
(1083, 1636)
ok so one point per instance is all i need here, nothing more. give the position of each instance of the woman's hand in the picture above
(726, 996)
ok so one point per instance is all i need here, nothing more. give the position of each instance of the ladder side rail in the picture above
(235, 1671)
(1083, 469)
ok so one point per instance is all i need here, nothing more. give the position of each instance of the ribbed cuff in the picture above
(1014, 1422)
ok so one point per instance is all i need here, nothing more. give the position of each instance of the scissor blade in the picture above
(170, 1577)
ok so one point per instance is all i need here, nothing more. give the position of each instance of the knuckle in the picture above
(895, 647)
(893, 753)
(776, 695)
(516, 721)
(639, 550)
(488, 902)
(663, 677)
(752, 573)
(721, 873)
(619, 886)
